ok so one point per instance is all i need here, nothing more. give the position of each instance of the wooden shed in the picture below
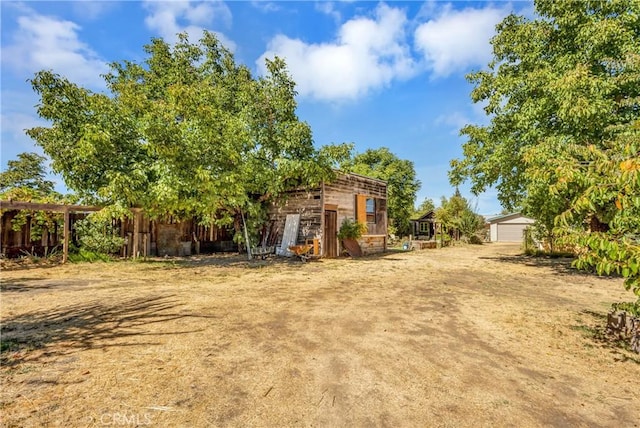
(323, 209)
(508, 228)
(142, 236)
(16, 243)
(424, 227)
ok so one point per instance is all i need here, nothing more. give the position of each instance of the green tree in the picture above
(97, 234)
(188, 132)
(400, 176)
(25, 180)
(25, 177)
(426, 206)
(611, 180)
(563, 95)
(456, 214)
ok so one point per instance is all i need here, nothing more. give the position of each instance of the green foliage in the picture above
(24, 180)
(611, 181)
(456, 213)
(351, 229)
(609, 256)
(9, 345)
(188, 133)
(426, 206)
(82, 256)
(443, 237)
(633, 308)
(563, 95)
(27, 172)
(96, 234)
(557, 80)
(400, 176)
(39, 221)
(469, 224)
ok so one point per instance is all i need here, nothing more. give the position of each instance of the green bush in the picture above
(443, 237)
(633, 308)
(351, 229)
(82, 255)
(96, 234)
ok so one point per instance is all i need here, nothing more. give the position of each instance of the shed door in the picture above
(330, 241)
(510, 232)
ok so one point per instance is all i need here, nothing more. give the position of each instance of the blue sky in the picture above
(373, 73)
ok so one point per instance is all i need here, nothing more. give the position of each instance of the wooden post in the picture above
(136, 234)
(246, 237)
(67, 231)
(123, 235)
(145, 248)
(5, 233)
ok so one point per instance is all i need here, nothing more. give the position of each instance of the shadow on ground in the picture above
(21, 285)
(235, 260)
(562, 265)
(594, 328)
(93, 325)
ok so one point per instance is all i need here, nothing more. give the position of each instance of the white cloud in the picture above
(43, 42)
(265, 6)
(455, 120)
(17, 116)
(91, 10)
(16, 124)
(328, 8)
(456, 40)
(367, 54)
(168, 18)
(473, 114)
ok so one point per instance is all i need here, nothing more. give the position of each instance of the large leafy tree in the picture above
(188, 132)
(402, 184)
(563, 95)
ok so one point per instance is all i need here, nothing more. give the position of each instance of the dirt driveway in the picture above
(469, 336)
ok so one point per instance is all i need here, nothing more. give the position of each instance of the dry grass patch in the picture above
(469, 336)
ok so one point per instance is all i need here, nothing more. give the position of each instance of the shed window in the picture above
(366, 209)
(424, 227)
(371, 210)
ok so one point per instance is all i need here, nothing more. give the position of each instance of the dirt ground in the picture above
(465, 336)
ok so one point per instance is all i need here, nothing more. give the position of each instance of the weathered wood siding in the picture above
(307, 203)
(173, 237)
(16, 243)
(372, 244)
(339, 195)
(342, 192)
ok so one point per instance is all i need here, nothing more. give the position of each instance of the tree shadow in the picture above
(561, 265)
(222, 260)
(29, 263)
(387, 255)
(595, 330)
(86, 326)
(227, 260)
(20, 285)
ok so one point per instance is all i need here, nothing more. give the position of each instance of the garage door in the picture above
(510, 232)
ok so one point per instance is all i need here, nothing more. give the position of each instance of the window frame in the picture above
(371, 214)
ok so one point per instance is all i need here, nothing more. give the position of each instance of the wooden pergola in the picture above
(56, 208)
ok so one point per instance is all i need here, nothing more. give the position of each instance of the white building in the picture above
(508, 228)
